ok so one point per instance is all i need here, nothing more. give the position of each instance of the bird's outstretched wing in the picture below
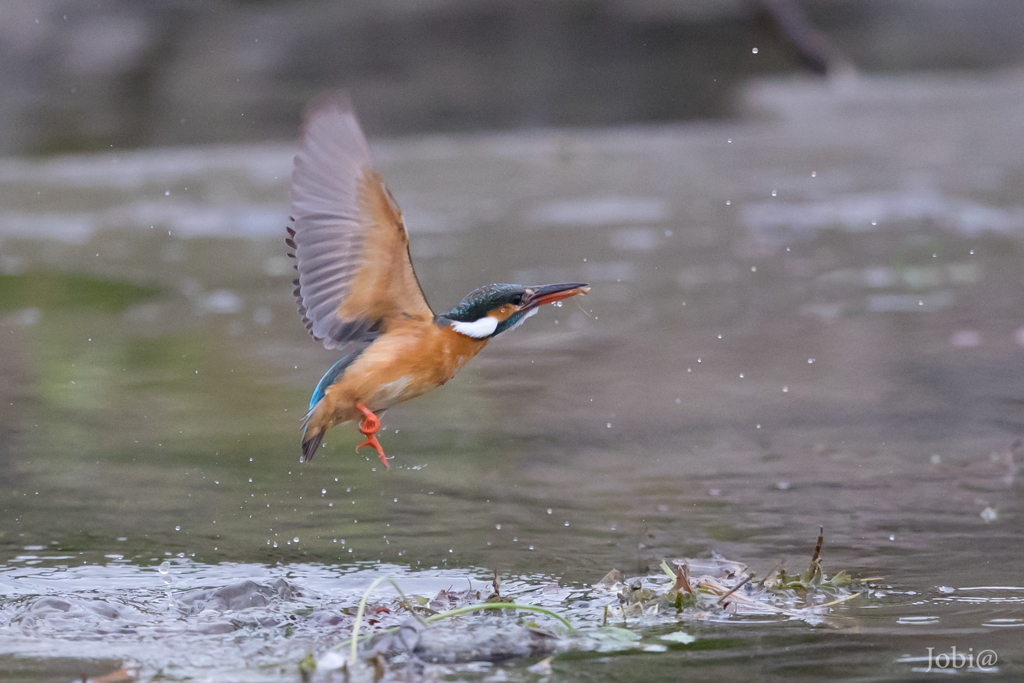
(349, 241)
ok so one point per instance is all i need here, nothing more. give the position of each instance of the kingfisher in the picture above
(357, 291)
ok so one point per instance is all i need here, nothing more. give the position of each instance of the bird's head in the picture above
(491, 310)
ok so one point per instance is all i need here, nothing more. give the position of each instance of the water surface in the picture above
(808, 317)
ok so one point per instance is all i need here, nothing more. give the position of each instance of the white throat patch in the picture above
(478, 329)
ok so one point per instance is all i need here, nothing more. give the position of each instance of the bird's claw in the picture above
(372, 441)
(369, 428)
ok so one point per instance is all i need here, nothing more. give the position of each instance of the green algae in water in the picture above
(62, 291)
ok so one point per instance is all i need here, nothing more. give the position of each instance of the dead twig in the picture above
(735, 588)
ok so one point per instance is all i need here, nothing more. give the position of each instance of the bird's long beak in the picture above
(549, 294)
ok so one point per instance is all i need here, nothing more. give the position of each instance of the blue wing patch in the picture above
(331, 375)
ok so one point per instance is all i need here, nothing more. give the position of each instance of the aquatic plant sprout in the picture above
(612, 614)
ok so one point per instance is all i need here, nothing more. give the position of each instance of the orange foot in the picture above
(369, 427)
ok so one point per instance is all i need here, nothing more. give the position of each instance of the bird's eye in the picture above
(517, 299)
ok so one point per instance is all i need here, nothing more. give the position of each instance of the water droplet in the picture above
(753, 269)
(558, 304)
(609, 425)
(972, 252)
(729, 141)
(167, 194)
(531, 547)
(754, 51)
(549, 511)
(814, 174)
(728, 202)
(810, 360)
(498, 527)
(785, 389)
(741, 375)
(874, 222)
(275, 544)
(758, 426)
(892, 537)
(567, 524)
(719, 336)
(164, 567)
(323, 492)
(775, 193)
(295, 540)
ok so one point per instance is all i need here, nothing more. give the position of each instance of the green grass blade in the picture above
(359, 618)
(444, 615)
(499, 605)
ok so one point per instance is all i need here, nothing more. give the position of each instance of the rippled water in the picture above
(809, 317)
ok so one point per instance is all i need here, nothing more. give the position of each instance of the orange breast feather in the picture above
(402, 364)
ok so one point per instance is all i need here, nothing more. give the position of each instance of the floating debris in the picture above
(617, 613)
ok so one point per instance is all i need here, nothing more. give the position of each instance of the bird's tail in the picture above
(311, 442)
(313, 433)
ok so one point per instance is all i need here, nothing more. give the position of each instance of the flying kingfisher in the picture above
(357, 291)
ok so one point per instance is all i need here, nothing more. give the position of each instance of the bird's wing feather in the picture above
(350, 243)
